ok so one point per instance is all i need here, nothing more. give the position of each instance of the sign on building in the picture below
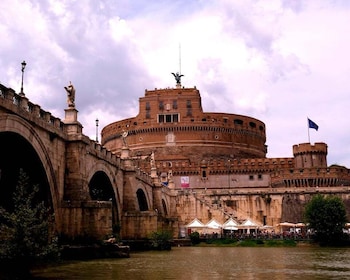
(185, 182)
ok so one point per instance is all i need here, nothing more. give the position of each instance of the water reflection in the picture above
(213, 263)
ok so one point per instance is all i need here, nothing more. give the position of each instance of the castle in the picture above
(214, 165)
(160, 170)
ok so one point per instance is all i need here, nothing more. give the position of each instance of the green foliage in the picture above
(194, 236)
(24, 231)
(160, 240)
(327, 217)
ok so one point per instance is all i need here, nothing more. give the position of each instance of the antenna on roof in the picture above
(178, 75)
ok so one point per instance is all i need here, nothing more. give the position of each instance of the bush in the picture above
(161, 240)
(194, 236)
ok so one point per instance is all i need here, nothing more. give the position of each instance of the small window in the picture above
(174, 104)
(251, 177)
(175, 118)
(204, 173)
(161, 118)
(260, 177)
(188, 104)
(148, 115)
(237, 121)
(252, 124)
(161, 105)
(189, 112)
(148, 106)
(168, 118)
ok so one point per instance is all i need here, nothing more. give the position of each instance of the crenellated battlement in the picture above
(307, 155)
(220, 166)
(311, 177)
(20, 105)
(305, 148)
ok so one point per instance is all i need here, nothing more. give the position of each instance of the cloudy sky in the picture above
(280, 61)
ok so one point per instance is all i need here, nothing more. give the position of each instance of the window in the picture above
(260, 177)
(251, 124)
(188, 104)
(237, 121)
(161, 105)
(251, 177)
(174, 104)
(148, 106)
(168, 118)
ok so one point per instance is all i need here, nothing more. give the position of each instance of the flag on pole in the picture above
(312, 124)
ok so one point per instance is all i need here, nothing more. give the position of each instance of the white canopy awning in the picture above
(213, 224)
(230, 224)
(248, 224)
(195, 224)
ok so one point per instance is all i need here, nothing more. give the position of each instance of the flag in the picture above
(312, 124)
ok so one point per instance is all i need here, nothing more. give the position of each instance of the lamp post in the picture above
(97, 130)
(23, 67)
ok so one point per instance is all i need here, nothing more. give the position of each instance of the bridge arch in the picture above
(142, 200)
(102, 187)
(25, 146)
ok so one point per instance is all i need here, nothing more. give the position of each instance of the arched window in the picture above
(141, 198)
(164, 207)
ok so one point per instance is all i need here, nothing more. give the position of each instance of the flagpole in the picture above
(308, 129)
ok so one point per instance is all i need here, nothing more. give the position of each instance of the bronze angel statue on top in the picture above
(177, 77)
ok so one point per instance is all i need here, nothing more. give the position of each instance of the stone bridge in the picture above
(91, 191)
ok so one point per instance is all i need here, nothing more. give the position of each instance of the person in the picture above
(70, 95)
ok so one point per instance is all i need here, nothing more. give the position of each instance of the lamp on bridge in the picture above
(96, 130)
(23, 67)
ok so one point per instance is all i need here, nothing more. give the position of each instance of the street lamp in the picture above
(23, 67)
(96, 130)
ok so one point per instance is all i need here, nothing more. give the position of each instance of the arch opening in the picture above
(17, 153)
(142, 201)
(101, 189)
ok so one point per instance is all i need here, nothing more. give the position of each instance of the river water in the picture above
(211, 263)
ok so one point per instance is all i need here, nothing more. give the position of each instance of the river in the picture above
(211, 263)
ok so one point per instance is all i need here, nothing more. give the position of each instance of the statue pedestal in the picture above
(125, 152)
(154, 172)
(71, 115)
(71, 121)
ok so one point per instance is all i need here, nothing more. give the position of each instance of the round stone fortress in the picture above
(171, 124)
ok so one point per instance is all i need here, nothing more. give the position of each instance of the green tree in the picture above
(326, 215)
(161, 240)
(24, 229)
